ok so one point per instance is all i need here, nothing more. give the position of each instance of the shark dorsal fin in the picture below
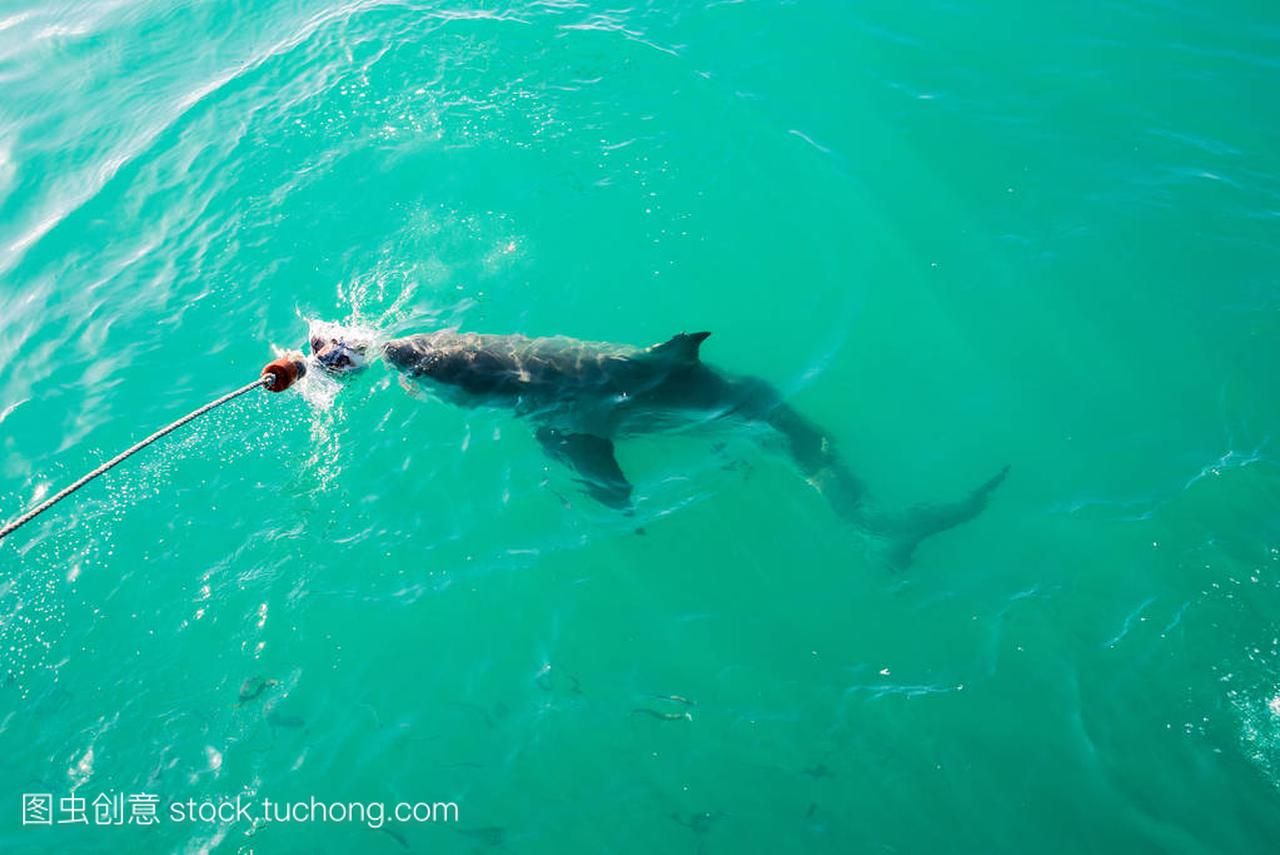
(682, 348)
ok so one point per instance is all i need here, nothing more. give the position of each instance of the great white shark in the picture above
(581, 396)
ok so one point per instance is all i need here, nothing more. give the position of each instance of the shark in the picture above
(582, 397)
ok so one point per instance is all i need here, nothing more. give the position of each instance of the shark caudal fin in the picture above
(815, 455)
(905, 531)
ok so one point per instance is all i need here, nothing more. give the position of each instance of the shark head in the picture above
(340, 350)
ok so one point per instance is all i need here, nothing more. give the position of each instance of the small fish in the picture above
(664, 716)
(276, 719)
(395, 835)
(492, 835)
(545, 681)
(489, 719)
(678, 699)
(819, 771)
(698, 823)
(640, 531)
(253, 687)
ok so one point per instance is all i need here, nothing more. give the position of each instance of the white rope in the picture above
(266, 380)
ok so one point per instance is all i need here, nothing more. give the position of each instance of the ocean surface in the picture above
(957, 236)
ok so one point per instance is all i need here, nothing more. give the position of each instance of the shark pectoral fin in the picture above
(414, 391)
(591, 457)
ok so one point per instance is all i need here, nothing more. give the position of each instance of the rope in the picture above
(266, 380)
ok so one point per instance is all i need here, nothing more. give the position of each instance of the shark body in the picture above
(582, 396)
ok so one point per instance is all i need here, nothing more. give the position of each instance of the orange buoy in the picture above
(284, 372)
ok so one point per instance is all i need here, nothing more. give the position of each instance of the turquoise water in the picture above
(957, 237)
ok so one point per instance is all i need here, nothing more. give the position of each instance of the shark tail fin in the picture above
(681, 348)
(907, 530)
(814, 454)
